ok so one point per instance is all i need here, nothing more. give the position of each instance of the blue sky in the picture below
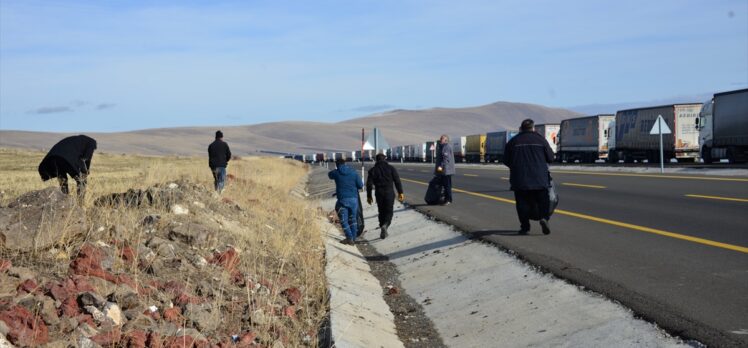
(124, 65)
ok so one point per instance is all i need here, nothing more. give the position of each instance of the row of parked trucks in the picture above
(712, 131)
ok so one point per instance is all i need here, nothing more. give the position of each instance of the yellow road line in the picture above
(583, 185)
(719, 198)
(470, 174)
(660, 176)
(613, 222)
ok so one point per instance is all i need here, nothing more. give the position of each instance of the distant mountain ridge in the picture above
(399, 127)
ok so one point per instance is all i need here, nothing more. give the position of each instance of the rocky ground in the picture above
(168, 274)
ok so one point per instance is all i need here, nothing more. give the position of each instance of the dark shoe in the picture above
(544, 225)
(347, 241)
(523, 231)
(383, 234)
(446, 203)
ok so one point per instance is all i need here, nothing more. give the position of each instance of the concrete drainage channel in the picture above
(450, 290)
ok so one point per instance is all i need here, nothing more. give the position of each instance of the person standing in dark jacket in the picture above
(70, 156)
(219, 156)
(527, 155)
(382, 176)
(347, 185)
(445, 166)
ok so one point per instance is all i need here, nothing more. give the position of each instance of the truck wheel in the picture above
(706, 154)
(612, 157)
(627, 158)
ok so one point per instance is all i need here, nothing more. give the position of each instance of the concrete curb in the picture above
(359, 316)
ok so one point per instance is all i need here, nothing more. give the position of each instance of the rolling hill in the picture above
(399, 127)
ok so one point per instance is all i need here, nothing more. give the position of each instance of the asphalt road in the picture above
(673, 248)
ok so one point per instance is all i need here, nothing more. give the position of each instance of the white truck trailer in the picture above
(584, 139)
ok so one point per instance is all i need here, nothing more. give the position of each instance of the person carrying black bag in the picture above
(382, 177)
(528, 155)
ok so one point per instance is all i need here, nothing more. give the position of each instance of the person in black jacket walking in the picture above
(219, 156)
(381, 177)
(527, 155)
(70, 156)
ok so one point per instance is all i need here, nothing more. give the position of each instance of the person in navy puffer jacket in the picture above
(347, 185)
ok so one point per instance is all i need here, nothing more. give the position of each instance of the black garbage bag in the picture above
(435, 192)
(552, 200)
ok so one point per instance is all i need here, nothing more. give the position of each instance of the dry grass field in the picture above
(262, 249)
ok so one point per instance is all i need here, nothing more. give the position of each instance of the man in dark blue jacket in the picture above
(527, 155)
(347, 185)
(219, 156)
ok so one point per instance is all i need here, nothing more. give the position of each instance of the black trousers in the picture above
(385, 205)
(59, 168)
(447, 183)
(531, 204)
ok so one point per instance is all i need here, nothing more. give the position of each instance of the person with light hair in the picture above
(445, 167)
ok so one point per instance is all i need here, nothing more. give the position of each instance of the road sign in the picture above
(660, 128)
(660, 123)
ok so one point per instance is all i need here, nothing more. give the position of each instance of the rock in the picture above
(172, 186)
(197, 260)
(86, 330)
(145, 254)
(201, 316)
(135, 339)
(190, 332)
(48, 310)
(109, 338)
(293, 295)
(21, 273)
(200, 205)
(290, 311)
(151, 219)
(259, 317)
(24, 328)
(27, 286)
(91, 299)
(4, 329)
(125, 297)
(178, 209)
(36, 220)
(140, 322)
(190, 233)
(102, 286)
(56, 344)
(114, 313)
(85, 342)
(173, 315)
(5, 265)
(4, 343)
(163, 247)
(68, 325)
(97, 315)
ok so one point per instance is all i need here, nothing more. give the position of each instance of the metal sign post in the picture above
(660, 127)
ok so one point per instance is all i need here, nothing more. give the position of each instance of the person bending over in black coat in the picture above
(527, 155)
(70, 156)
(382, 176)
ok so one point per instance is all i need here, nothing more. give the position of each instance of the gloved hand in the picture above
(401, 197)
(369, 200)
